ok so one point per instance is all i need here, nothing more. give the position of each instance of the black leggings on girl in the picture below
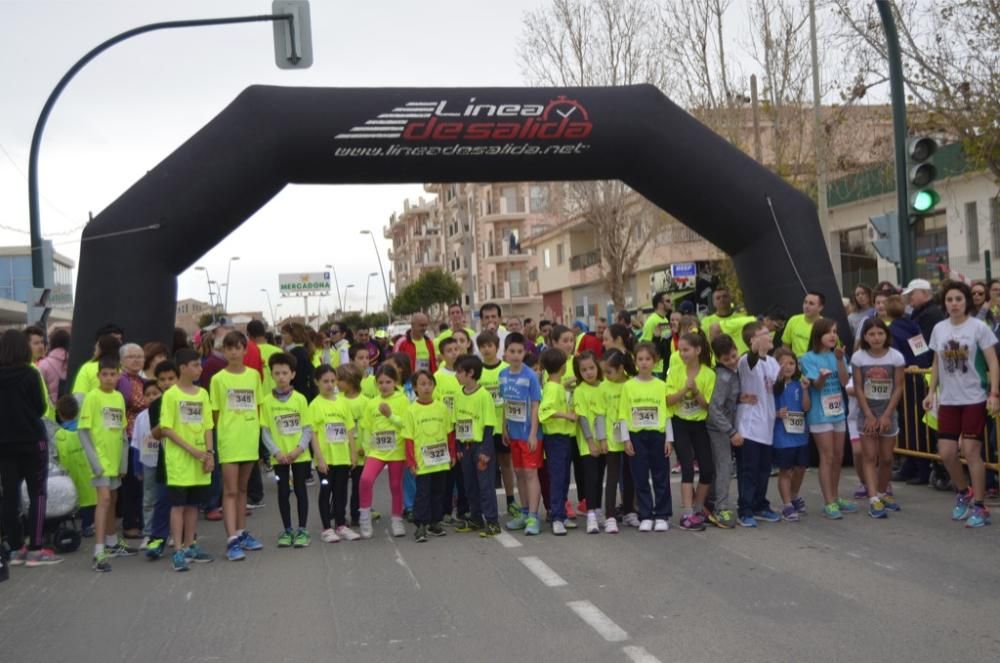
(593, 480)
(692, 443)
(299, 472)
(333, 495)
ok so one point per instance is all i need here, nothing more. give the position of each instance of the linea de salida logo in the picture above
(559, 119)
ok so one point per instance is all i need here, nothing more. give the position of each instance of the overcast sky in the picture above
(136, 103)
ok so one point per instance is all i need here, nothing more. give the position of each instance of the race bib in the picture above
(384, 440)
(878, 390)
(516, 411)
(423, 364)
(288, 424)
(113, 418)
(795, 423)
(833, 405)
(190, 412)
(336, 433)
(435, 455)
(918, 345)
(690, 407)
(463, 430)
(645, 417)
(495, 393)
(149, 446)
(241, 399)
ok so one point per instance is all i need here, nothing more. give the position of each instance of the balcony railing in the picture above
(584, 260)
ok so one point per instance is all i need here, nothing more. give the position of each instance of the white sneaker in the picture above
(347, 534)
(570, 523)
(611, 526)
(558, 528)
(631, 519)
(592, 526)
(144, 544)
(646, 526)
(600, 516)
(365, 522)
(329, 536)
(397, 527)
(661, 525)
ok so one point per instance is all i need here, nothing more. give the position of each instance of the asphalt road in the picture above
(915, 587)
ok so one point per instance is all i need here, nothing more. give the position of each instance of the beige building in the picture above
(415, 234)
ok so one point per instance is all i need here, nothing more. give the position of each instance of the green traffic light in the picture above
(925, 200)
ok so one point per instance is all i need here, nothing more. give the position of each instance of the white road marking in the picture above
(639, 654)
(402, 562)
(543, 572)
(507, 541)
(887, 567)
(598, 621)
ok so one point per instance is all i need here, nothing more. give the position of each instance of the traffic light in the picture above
(920, 175)
(885, 236)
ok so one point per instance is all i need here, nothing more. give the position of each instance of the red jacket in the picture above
(592, 343)
(406, 345)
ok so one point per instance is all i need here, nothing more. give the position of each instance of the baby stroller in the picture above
(61, 531)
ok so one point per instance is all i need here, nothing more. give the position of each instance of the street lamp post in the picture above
(270, 308)
(229, 267)
(208, 280)
(368, 282)
(346, 287)
(336, 286)
(385, 284)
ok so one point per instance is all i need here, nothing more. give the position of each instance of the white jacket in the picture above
(756, 422)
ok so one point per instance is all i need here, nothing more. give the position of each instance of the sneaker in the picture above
(531, 526)
(329, 536)
(365, 525)
(861, 492)
(155, 547)
(345, 533)
(491, 529)
(662, 525)
(255, 505)
(610, 526)
(464, 525)
(408, 515)
(876, 509)
(88, 531)
(310, 480)
(676, 469)
(558, 528)
(747, 521)
(963, 505)
(249, 542)
(890, 503)
(179, 561)
(195, 554)
(722, 519)
(214, 515)
(570, 524)
(420, 535)
(121, 549)
(592, 526)
(570, 511)
(102, 562)
(646, 525)
(581, 506)
(691, 524)
(18, 557)
(768, 516)
(435, 529)
(790, 514)
(285, 539)
(846, 507)
(144, 544)
(448, 519)
(514, 509)
(600, 516)
(979, 517)
(517, 523)
(699, 517)
(234, 551)
(832, 511)
(376, 516)
(631, 519)
(301, 538)
(42, 557)
(799, 504)
(397, 527)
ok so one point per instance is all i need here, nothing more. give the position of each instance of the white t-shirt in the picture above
(756, 422)
(878, 378)
(957, 347)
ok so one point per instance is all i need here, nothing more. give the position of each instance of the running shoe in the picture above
(285, 539)
(408, 515)
(531, 526)
(747, 521)
(346, 533)
(676, 469)
(846, 507)
(234, 552)
(570, 524)
(790, 514)
(832, 511)
(799, 504)
(699, 517)
(155, 547)
(646, 525)
(249, 542)
(310, 480)
(301, 538)
(514, 509)
(890, 502)
(592, 526)
(690, 523)
(435, 529)
(329, 536)
(517, 523)
(179, 561)
(663, 525)
(570, 511)
(722, 519)
(610, 526)
(581, 506)
(42, 557)
(876, 509)
(448, 519)
(860, 492)
(768, 516)
(121, 549)
(195, 554)
(18, 557)
(979, 517)
(558, 528)
(365, 525)
(491, 529)
(420, 535)
(88, 531)
(963, 505)
(376, 516)
(214, 515)
(102, 562)
(255, 505)
(145, 543)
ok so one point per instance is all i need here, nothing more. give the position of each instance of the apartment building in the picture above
(416, 239)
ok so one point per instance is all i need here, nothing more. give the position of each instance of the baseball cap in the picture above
(917, 284)
(686, 307)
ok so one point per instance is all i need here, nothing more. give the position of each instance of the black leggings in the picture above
(593, 478)
(628, 487)
(691, 442)
(299, 473)
(580, 476)
(333, 495)
(28, 463)
(356, 492)
(613, 465)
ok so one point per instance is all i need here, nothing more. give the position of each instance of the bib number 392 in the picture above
(384, 440)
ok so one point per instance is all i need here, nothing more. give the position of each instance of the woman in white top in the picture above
(964, 402)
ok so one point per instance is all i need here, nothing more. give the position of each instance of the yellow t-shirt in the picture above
(448, 333)
(689, 409)
(446, 387)
(189, 416)
(385, 434)
(357, 407)
(588, 401)
(368, 387)
(429, 426)
(103, 414)
(648, 333)
(50, 411)
(74, 460)
(611, 392)
(490, 381)
(331, 422)
(732, 326)
(285, 421)
(266, 352)
(473, 413)
(554, 401)
(643, 405)
(236, 397)
(797, 332)
(86, 378)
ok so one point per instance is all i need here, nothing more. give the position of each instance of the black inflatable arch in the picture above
(272, 136)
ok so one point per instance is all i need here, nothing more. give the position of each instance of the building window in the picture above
(509, 203)
(559, 254)
(547, 258)
(538, 200)
(995, 226)
(857, 262)
(972, 232)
